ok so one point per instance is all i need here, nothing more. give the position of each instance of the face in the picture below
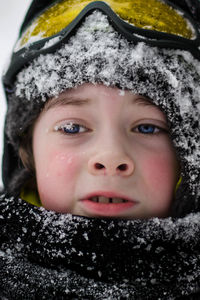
(101, 152)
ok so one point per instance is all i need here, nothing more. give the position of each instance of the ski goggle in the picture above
(156, 22)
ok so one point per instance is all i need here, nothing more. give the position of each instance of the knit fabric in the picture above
(45, 255)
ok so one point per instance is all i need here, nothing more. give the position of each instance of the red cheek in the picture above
(157, 170)
(64, 165)
(60, 174)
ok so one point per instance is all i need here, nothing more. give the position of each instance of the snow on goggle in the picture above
(155, 22)
(151, 15)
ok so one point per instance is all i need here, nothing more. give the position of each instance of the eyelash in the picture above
(138, 129)
(70, 126)
(154, 129)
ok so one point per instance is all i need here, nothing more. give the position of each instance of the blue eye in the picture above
(71, 128)
(147, 129)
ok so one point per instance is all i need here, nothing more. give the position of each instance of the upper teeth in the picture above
(102, 199)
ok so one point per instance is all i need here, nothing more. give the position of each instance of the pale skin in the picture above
(95, 143)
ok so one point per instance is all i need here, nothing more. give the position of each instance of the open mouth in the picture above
(106, 204)
(102, 199)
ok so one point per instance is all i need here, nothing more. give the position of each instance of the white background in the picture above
(11, 16)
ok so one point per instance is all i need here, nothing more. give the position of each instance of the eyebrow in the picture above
(141, 100)
(75, 101)
(62, 101)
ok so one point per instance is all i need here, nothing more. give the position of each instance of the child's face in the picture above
(100, 143)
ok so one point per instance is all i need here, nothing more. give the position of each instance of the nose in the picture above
(107, 163)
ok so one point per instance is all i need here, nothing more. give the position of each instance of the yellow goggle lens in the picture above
(151, 14)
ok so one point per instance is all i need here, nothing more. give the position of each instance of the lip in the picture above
(106, 209)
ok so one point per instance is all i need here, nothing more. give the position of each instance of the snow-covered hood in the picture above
(98, 54)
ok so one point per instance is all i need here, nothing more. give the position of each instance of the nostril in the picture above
(99, 166)
(123, 167)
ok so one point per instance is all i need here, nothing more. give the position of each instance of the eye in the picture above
(71, 128)
(147, 129)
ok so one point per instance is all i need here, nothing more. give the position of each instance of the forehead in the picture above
(89, 94)
(99, 102)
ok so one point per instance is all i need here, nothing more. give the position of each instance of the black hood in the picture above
(171, 78)
(20, 115)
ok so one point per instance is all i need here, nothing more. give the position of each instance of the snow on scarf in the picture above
(46, 255)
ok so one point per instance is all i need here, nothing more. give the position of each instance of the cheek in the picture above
(62, 165)
(160, 176)
(57, 176)
(158, 170)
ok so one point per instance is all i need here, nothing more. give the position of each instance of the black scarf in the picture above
(46, 255)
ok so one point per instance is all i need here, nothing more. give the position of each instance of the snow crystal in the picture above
(86, 236)
(172, 79)
(31, 39)
(2, 254)
(24, 229)
(99, 273)
(94, 256)
(153, 281)
(121, 92)
(51, 42)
